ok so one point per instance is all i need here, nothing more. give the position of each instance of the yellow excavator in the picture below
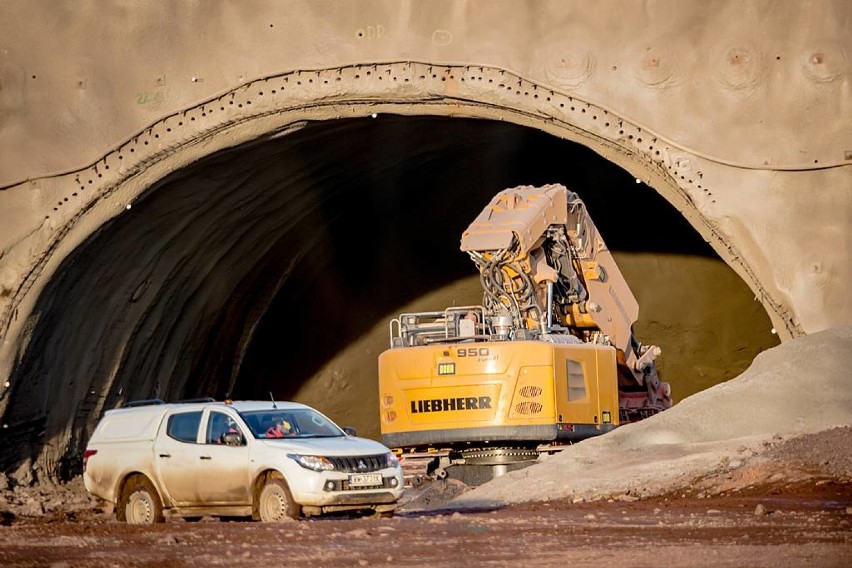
(548, 359)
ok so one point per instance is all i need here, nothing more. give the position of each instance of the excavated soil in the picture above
(789, 504)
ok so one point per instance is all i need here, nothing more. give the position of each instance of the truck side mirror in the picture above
(233, 439)
(350, 431)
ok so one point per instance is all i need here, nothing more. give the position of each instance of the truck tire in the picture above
(139, 504)
(275, 503)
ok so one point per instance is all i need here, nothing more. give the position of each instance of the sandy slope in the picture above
(800, 387)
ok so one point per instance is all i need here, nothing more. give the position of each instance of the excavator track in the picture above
(421, 467)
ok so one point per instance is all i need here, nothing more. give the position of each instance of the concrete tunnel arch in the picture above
(272, 107)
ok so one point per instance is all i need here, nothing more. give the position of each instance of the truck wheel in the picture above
(140, 504)
(275, 504)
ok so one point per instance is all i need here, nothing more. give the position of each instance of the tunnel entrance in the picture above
(273, 267)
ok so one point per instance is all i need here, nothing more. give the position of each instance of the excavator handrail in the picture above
(440, 326)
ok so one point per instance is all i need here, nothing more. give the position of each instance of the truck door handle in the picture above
(206, 457)
(165, 455)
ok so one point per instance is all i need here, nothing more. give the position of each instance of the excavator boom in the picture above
(542, 259)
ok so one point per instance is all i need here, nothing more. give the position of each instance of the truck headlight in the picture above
(315, 463)
(392, 461)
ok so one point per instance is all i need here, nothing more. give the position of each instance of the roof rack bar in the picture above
(146, 402)
(150, 401)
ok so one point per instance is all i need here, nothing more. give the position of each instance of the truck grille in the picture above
(359, 464)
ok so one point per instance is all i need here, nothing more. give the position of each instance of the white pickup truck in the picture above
(273, 461)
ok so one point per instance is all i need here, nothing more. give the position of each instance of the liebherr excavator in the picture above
(549, 358)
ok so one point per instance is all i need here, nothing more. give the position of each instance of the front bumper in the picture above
(313, 490)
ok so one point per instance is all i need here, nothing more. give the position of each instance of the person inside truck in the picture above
(281, 429)
(232, 429)
(219, 425)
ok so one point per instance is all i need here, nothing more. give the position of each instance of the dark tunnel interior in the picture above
(246, 272)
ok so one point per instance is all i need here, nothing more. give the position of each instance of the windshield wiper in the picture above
(320, 436)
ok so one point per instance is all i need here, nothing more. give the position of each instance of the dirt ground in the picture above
(791, 506)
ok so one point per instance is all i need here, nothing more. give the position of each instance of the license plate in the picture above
(365, 479)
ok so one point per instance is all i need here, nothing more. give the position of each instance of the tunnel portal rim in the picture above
(400, 88)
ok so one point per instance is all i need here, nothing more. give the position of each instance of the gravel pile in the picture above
(800, 387)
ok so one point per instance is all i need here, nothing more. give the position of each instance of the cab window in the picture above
(184, 426)
(219, 424)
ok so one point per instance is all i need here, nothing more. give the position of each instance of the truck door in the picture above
(176, 453)
(223, 470)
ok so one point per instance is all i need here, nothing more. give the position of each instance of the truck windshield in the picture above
(294, 423)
